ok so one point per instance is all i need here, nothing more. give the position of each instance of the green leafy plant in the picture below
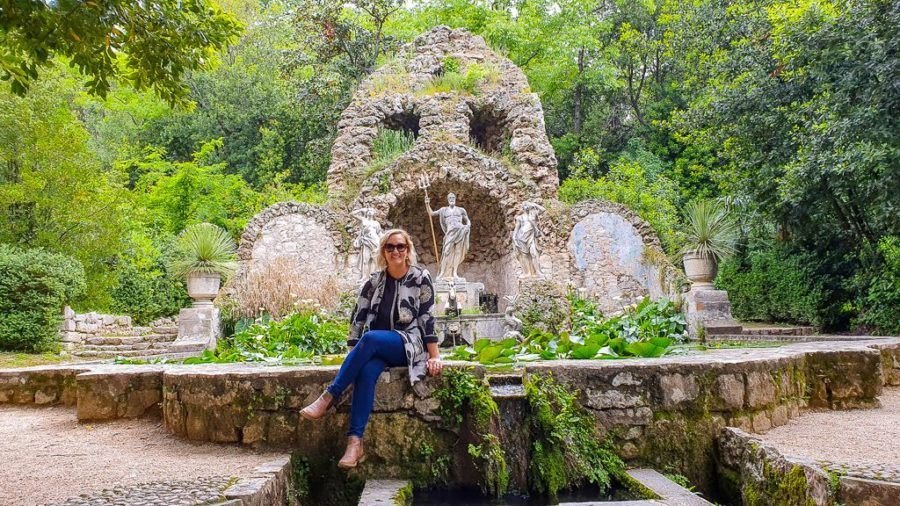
(204, 248)
(34, 286)
(711, 232)
(647, 330)
(566, 448)
(297, 338)
(464, 397)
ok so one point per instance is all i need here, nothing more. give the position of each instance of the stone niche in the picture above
(615, 259)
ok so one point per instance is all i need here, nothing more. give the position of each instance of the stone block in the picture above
(780, 415)
(605, 399)
(120, 394)
(760, 389)
(863, 492)
(730, 391)
(675, 389)
(844, 379)
(761, 422)
(197, 327)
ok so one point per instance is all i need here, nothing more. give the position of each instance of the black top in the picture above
(384, 317)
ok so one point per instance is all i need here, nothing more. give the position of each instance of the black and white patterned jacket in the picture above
(415, 320)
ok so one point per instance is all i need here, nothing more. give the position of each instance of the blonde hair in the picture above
(411, 258)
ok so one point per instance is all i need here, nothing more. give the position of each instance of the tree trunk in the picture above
(579, 91)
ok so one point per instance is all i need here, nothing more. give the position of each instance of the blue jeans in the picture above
(376, 350)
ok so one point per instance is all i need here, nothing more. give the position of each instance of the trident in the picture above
(424, 183)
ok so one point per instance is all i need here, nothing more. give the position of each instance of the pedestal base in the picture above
(198, 329)
(467, 295)
(709, 313)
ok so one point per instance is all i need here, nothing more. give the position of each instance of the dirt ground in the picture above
(860, 436)
(48, 456)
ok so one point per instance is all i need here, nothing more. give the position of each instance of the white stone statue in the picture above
(525, 239)
(456, 226)
(511, 325)
(366, 241)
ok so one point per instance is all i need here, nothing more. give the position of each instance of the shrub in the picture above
(144, 290)
(149, 294)
(774, 285)
(34, 286)
(880, 300)
(279, 288)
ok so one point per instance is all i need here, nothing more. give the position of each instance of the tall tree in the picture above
(158, 41)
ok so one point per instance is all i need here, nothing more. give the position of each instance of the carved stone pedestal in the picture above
(709, 313)
(198, 329)
(467, 295)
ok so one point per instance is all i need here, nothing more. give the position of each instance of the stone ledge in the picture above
(40, 385)
(104, 396)
(386, 493)
(268, 485)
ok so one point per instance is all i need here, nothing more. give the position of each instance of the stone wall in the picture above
(614, 256)
(89, 328)
(504, 110)
(666, 413)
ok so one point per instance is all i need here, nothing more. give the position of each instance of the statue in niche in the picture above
(456, 226)
(366, 241)
(525, 239)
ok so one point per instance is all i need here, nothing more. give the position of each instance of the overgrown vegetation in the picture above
(453, 79)
(567, 449)
(297, 338)
(466, 399)
(647, 330)
(34, 286)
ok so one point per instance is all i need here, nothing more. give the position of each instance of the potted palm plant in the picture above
(205, 254)
(711, 237)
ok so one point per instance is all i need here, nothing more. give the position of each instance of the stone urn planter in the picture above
(203, 287)
(701, 270)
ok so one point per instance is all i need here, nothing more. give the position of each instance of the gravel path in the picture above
(864, 439)
(47, 456)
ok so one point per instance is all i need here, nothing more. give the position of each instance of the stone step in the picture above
(115, 340)
(780, 331)
(113, 354)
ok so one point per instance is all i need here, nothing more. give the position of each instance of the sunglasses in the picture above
(391, 247)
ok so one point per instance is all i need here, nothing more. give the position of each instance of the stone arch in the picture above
(290, 250)
(482, 188)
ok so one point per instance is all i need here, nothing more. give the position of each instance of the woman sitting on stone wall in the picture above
(395, 311)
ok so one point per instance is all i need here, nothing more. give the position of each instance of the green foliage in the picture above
(774, 285)
(296, 338)
(463, 397)
(711, 232)
(631, 182)
(468, 82)
(204, 248)
(648, 330)
(389, 145)
(159, 42)
(880, 304)
(566, 448)
(34, 286)
(54, 194)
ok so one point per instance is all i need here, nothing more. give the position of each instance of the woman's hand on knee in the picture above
(434, 366)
